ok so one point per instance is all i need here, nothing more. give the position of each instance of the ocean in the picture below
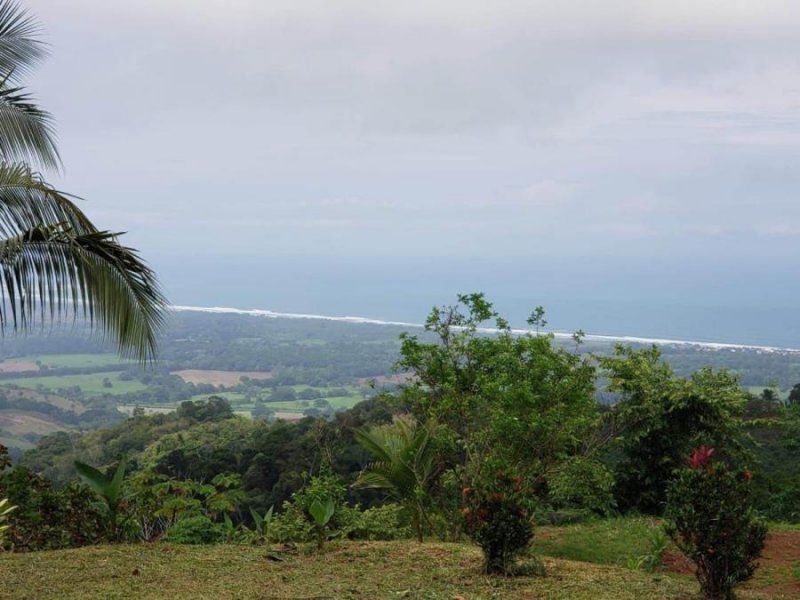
(735, 301)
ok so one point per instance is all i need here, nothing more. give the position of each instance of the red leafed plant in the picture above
(496, 515)
(710, 517)
(700, 457)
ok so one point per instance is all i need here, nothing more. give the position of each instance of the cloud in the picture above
(658, 127)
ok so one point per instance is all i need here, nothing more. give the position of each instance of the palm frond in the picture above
(49, 271)
(26, 131)
(20, 48)
(27, 201)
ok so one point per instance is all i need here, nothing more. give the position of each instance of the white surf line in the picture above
(257, 312)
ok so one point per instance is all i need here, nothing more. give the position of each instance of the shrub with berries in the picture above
(710, 517)
(497, 518)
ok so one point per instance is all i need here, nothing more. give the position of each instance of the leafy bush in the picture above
(48, 519)
(387, 522)
(198, 529)
(497, 518)
(295, 523)
(583, 484)
(710, 517)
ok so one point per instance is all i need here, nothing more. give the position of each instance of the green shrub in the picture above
(46, 518)
(387, 522)
(496, 516)
(198, 529)
(295, 524)
(583, 485)
(710, 517)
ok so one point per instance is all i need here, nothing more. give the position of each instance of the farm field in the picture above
(90, 384)
(20, 422)
(223, 378)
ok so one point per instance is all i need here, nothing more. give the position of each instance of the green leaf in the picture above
(93, 478)
(322, 511)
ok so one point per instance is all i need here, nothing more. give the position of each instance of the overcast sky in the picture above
(431, 128)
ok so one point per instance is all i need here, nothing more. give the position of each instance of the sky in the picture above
(601, 132)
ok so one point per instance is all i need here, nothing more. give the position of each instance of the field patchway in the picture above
(223, 378)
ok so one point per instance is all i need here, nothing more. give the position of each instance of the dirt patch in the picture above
(19, 422)
(223, 378)
(18, 366)
(779, 565)
(781, 550)
(386, 379)
(289, 416)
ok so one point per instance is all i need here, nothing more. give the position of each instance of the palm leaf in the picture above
(55, 271)
(20, 48)
(26, 131)
(27, 201)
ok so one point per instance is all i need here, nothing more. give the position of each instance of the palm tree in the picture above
(53, 261)
(404, 466)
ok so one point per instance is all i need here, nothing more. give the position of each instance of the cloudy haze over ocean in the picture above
(615, 142)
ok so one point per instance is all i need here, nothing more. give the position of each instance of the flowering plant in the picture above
(710, 518)
(496, 515)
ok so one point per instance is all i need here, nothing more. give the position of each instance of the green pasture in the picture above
(91, 384)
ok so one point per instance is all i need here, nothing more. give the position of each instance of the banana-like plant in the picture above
(322, 512)
(54, 262)
(262, 523)
(108, 488)
(5, 510)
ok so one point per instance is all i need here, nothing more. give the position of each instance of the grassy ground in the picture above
(606, 542)
(350, 570)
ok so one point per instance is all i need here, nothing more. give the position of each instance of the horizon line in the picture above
(259, 312)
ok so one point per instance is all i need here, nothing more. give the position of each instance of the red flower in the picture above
(747, 475)
(700, 457)
(466, 491)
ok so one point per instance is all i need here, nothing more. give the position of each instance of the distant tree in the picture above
(283, 394)
(769, 394)
(794, 395)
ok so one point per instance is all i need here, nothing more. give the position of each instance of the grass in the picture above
(606, 542)
(91, 384)
(80, 360)
(345, 571)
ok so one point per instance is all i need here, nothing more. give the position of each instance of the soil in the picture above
(18, 366)
(223, 378)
